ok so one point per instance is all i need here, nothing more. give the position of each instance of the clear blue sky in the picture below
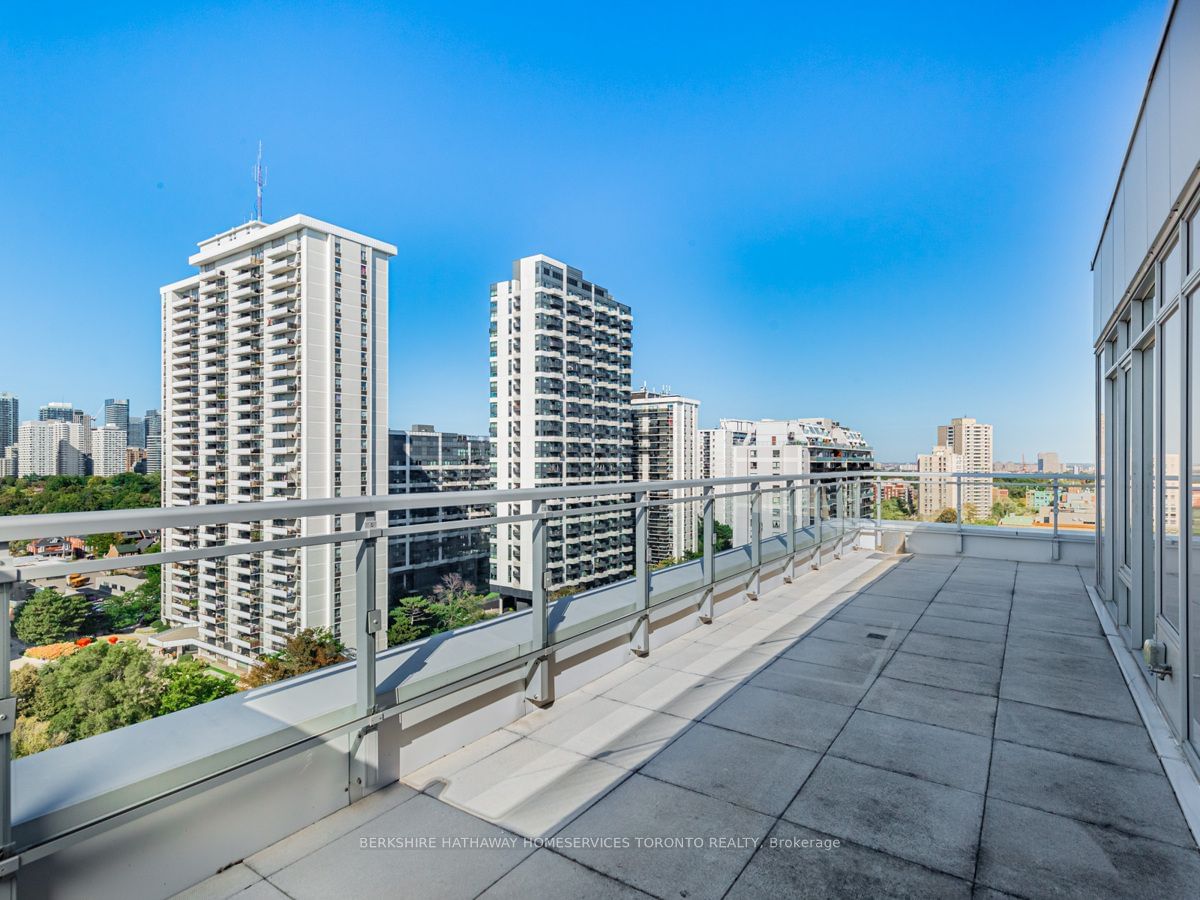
(885, 216)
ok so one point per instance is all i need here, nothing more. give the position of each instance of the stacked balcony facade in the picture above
(561, 357)
(274, 388)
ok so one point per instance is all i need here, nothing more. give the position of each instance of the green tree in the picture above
(306, 651)
(18, 548)
(456, 604)
(970, 514)
(136, 607)
(98, 688)
(99, 544)
(947, 515)
(24, 683)
(723, 532)
(411, 621)
(48, 616)
(73, 493)
(190, 682)
(32, 735)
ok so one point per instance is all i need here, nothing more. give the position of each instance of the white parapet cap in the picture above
(255, 232)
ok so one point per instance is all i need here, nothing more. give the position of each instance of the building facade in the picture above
(60, 412)
(666, 447)
(53, 447)
(135, 435)
(274, 387)
(116, 412)
(108, 451)
(1146, 326)
(10, 420)
(935, 495)
(744, 447)
(1049, 463)
(425, 460)
(972, 442)
(153, 426)
(561, 372)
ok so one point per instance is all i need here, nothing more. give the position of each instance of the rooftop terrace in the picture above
(958, 725)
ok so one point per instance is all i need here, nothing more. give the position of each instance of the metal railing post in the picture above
(878, 513)
(8, 719)
(640, 640)
(707, 539)
(539, 687)
(958, 499)
(368, 619)
(790, 520)
(755, 539)
(818, 525)
(1054, 508)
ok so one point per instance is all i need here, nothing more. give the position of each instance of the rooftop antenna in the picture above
(260, 178)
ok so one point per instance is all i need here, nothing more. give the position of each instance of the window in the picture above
(1168, 505)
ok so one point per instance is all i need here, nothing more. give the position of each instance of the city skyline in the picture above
(803, 226)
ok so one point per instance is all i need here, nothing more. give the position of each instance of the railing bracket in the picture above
(9, 865)
(639, 641)
(8, 714)
(539, 685)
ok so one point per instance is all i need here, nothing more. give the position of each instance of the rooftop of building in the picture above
(928, 726)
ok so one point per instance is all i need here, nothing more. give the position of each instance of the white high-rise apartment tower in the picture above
(53, 447)
(108, 450)
(938, 494)
(666, 447)
(561, 367)
(745, 448)
(973, 442)
(274, 387)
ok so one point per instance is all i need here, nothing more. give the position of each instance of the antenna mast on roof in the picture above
(260, 178)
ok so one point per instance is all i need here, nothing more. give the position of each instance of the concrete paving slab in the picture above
(949, 673)
(1132, 800)
(962, 711)
(957, 648)
(1106, 740)
(808, 865)
(841, 686)
(942, 755)
(666, 840)
(529, 787)
(1048, 689)
(798, 721)
(926, 823)
(429, 847)
(545, 870)
(1031, 853)
(932, 623)
(748, 771)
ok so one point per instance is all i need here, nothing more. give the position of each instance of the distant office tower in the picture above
(136, 434)
(934, 495)
(666, 447)
(116, 412)
(108, 451)
(58, 412)
(153, 429)
(52, 447)
(422, 460)
(743, 448)
(973, 442)
(561, 358)
(1048, 463)
(10, 420)
(274, 387)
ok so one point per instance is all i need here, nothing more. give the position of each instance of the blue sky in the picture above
(886, 217)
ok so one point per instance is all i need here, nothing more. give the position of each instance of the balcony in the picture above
(850, 707)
